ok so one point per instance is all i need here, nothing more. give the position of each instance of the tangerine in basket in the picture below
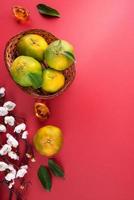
(59, 55)
(32, 45)
(52, 80)
(26, 71)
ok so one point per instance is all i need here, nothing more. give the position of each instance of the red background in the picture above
(97, 112)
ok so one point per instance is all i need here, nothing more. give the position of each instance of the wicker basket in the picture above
(11, 53)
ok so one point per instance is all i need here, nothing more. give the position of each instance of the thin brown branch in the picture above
(11, 191)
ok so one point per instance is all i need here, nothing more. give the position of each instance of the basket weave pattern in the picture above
(11, 53)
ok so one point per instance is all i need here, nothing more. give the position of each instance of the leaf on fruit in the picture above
(55, 168)
(36, 80)
(45, 178)
(69, 55)
(47, 11)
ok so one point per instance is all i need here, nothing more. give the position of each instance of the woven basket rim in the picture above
(28, 89)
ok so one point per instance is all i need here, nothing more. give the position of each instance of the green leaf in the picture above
(44, 177)
(69, 55)
(36, 80)
(55, 168)
(46, 10)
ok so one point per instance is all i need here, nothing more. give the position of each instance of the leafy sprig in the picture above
(45, 173)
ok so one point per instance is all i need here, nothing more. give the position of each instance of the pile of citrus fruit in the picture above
(40, 65)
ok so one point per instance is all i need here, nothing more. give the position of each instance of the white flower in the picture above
(2, 92)
(9, 105)
(3, 111)
(22, 171)
(9, 120)
(11, 184)
(24, 167)
(24, 135)
(11, 140)
(11, 175)
(2, 128)
(6, 148)
(13, 155)
(10, 167)
(3, 166)
(20, 127)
